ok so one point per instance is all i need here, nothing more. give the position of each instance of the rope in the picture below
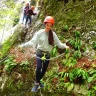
(37, 56)
(51, 58)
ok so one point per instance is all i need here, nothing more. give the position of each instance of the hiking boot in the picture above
(41, 85)
(35, 88)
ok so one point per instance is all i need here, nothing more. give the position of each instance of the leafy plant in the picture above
(76, 43)
(77, 33)
(92, 73)
(94, 45)
(77, 54)
(92, 92)
(69, 86)
(11, 84)
(16, 20)
(24, 65)
(19, 84)
(54, 51)
(10, 3)
(69, 61)
(5, 48)
(72, 42)
(9, 63)
(78, 73)
(65, 28)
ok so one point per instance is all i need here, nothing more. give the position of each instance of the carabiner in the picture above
(43, 58)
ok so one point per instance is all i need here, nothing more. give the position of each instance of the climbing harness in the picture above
(50, 58)
(43, 58)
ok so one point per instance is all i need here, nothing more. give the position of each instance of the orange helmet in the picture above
(49, 19)
(32, 7)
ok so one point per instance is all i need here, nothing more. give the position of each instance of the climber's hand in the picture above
(67, 47)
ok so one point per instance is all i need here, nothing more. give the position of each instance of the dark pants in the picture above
(41, 67)
(28, 18)
(24, 17)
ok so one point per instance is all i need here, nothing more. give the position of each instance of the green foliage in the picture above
(76, 42)
(61, 37)
(70, 62)
(77, 34)
(72, 42)
(54, 51)
(16, 15)
(10, 3)
(92, 92)
(67, 51)
(63, 74)
(10, 42)
(5, 48)
(69, 86)
(25, 65)
(19, 84)
(92, 73)
(77, 54)
(94, 45)
(70, 16)
(10, 13)
(10, 85)
(78, 72)
(9, 64)
(50, 75)
(16, 20)
(65, 28)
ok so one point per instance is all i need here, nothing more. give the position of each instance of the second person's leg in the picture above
(38, 73)
(38, 70)
(44, 69)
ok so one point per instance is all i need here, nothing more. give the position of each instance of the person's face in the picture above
(27, 4)
(48, 26)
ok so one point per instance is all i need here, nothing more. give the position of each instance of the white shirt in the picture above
(40, 41)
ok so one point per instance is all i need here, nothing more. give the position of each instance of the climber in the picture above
(29, 14)
(25, 12)
(44, 40)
